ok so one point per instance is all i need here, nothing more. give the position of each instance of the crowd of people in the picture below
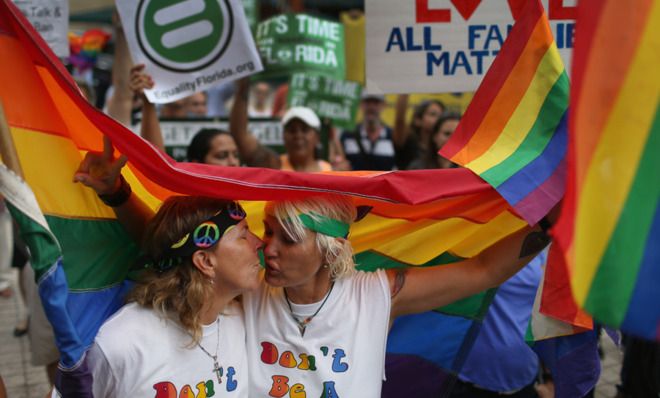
(205, 318)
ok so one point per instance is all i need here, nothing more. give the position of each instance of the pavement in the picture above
(23, 380)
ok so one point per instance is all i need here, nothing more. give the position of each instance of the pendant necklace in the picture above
(217, 369)
(302, 324)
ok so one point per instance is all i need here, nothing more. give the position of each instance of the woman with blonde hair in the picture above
(182, 333)
(318, 327)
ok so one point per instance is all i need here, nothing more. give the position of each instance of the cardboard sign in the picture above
(336, 100)
(188, 45)
(442, 46)
(292, 43)
(51, 19)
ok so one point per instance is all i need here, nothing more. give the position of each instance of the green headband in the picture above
(325, 225)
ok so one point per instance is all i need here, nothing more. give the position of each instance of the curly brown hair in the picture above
(181, 292)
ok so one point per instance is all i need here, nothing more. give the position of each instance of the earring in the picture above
(326, 266)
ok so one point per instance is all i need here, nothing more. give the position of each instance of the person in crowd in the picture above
(316, 325)
(217, 98)
(370, 145)
(301, 137)
(259, 106)
(195, 105)
(212, 146)
(182, 331)
(411, 142)
(442, 131)
(6, 245)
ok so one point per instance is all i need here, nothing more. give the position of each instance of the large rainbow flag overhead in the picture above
(513, 133)
(418, 218)
(609, 230)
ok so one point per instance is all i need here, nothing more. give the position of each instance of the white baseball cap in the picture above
(303, 113)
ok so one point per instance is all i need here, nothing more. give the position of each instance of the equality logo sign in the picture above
(188, 45)
(443, 46)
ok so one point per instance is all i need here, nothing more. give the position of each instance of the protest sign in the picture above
(188, 45)
(334, 99)
(292, 43)
(251, 9)
(51, 19)
(177, 134)
(436, 46)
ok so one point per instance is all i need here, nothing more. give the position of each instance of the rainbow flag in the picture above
(86, 271)
(513, 133)
(609, 230)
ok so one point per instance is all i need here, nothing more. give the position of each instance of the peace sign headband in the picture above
(203, 236)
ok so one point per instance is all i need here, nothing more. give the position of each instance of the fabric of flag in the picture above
(514, 132)
(418, 218)
(609, 230)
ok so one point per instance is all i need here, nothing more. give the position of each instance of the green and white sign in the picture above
(330, 98)
(188, 45)
(291, 43)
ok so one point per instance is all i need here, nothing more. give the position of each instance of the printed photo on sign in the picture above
(188, 45)
(443, 46)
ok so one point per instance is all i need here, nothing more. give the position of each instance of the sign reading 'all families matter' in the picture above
(51, 19)
(188, 45)
(437, 46)
(330, 98)
(291, 43)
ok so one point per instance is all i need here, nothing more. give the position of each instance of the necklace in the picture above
(217, 369)
(302, 324)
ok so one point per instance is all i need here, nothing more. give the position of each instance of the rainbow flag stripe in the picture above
(609, 230)
(87, 272)
(514, 133)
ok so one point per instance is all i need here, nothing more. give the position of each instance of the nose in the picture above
(233, 161)
(256, 242)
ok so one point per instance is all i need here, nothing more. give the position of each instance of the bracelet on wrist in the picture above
(120, 196)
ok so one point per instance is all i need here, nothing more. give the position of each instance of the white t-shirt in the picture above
(342, 353)
(139, 354)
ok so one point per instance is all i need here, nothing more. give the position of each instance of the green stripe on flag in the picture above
(473, 307)
(96, 253)
(537, 139)
(44, 248)
(613, 285)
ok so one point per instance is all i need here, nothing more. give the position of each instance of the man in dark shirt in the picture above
(369, 146)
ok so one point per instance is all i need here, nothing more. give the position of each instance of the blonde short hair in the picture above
(337, 253)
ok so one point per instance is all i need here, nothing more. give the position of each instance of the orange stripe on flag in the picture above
(509, 97)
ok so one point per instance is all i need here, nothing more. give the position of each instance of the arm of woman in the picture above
(423, 289)
(120, 103)
(400, 132)
(101, 172)
(150, 126)
(249, 147)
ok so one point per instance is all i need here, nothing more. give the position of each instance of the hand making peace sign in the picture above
(100, 171)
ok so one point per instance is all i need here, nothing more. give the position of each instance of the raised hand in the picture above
(100, 171)
(139, 81)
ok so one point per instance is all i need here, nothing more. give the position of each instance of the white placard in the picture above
(51, 19)
(441, 46)
(188, 45)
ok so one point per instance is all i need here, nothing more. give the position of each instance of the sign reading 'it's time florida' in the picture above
(437, 46)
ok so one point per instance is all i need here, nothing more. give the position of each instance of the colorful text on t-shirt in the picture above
(270, 355)
(203, 389)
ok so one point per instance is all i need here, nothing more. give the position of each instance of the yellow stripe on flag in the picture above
(614, 164)
(523, 118)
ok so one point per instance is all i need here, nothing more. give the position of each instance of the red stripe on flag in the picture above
(494, 79)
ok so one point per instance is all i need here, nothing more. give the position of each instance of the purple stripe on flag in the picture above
(413, 376)
(536, 205)
(532, 176)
